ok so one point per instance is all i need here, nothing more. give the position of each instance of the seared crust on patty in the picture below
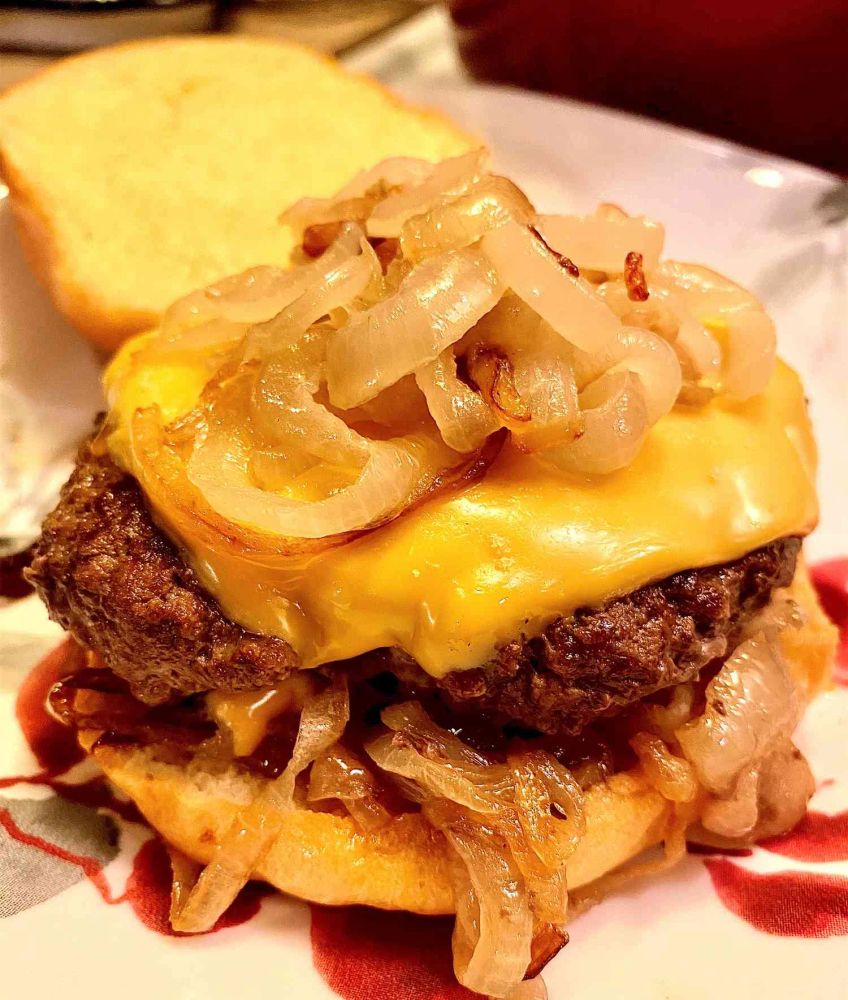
(601, 660)
(109, 575)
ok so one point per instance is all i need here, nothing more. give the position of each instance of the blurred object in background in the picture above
(69, 25)
(772, 74)
(326, 25)
(33, 32)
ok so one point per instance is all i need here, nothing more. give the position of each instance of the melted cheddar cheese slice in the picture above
(474, 568)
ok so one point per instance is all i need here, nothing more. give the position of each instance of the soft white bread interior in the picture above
(141, 172)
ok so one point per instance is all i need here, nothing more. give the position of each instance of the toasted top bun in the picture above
(325, 858)
(141, 172)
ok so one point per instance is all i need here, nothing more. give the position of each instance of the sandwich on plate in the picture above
(456, 568)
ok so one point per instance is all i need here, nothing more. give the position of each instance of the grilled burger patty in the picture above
(109, 575)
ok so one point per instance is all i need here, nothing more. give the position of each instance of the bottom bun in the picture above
(325, 858)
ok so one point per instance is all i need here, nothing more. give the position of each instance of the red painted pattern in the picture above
(91, 867)
(818, 837)
(366, 954)
(148, 888)
(831, 582)
(54, 745)
(788, 904)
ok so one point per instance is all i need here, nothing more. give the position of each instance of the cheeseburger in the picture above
(455, 569)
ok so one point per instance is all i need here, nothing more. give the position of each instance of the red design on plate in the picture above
(148, 888)
(818, 837)
(788, 904)
(831, 582)
(91, 866)
(367, 954)
(54, 745)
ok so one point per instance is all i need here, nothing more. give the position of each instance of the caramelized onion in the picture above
(441, 764)
(600, 242)
(256, 827)
(487, 205)
(449, 178)
(567, 303)
(550, 807)
(642, 353)
(752, 703)
(673, 777)
(340, 774)
(718, 302)
(356, 200)
(393, 475)
(258, 294)
(435, 305)
(494, 926)
(163, 475)
(511, 828)
(492, 372)
(462, 416)
(536, 393)
(339, 285)
(634, 278)
(615, 421)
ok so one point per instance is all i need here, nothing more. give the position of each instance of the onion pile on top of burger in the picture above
(449, 570)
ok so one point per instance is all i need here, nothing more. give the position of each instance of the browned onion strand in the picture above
(435, 288)
(341, 774)
(752, 706)
(403, 333)
(488, 204)
(615, 422)
(461, 414)
(512, 828)
(673, 777)
(360, 195)
(451, 178)
(493, 933)
(255, 828)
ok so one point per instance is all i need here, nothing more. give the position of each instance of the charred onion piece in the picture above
(493, 375)
(634, 277)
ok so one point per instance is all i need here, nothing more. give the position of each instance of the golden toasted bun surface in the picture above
(323, 857)
(141, 172)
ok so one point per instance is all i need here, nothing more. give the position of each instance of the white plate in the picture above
(762, 220)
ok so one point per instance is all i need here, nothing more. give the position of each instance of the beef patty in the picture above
(109, 576)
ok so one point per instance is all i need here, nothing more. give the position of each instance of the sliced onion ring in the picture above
(646, 355)
(436, 304)
(600, 242)
(162, 474)
(487, 205)
(340, 774)
(615, 421)
(255, 828)
(461, 414)
(567, 303)
(357, 198)
(494, 926)
(449, 178)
